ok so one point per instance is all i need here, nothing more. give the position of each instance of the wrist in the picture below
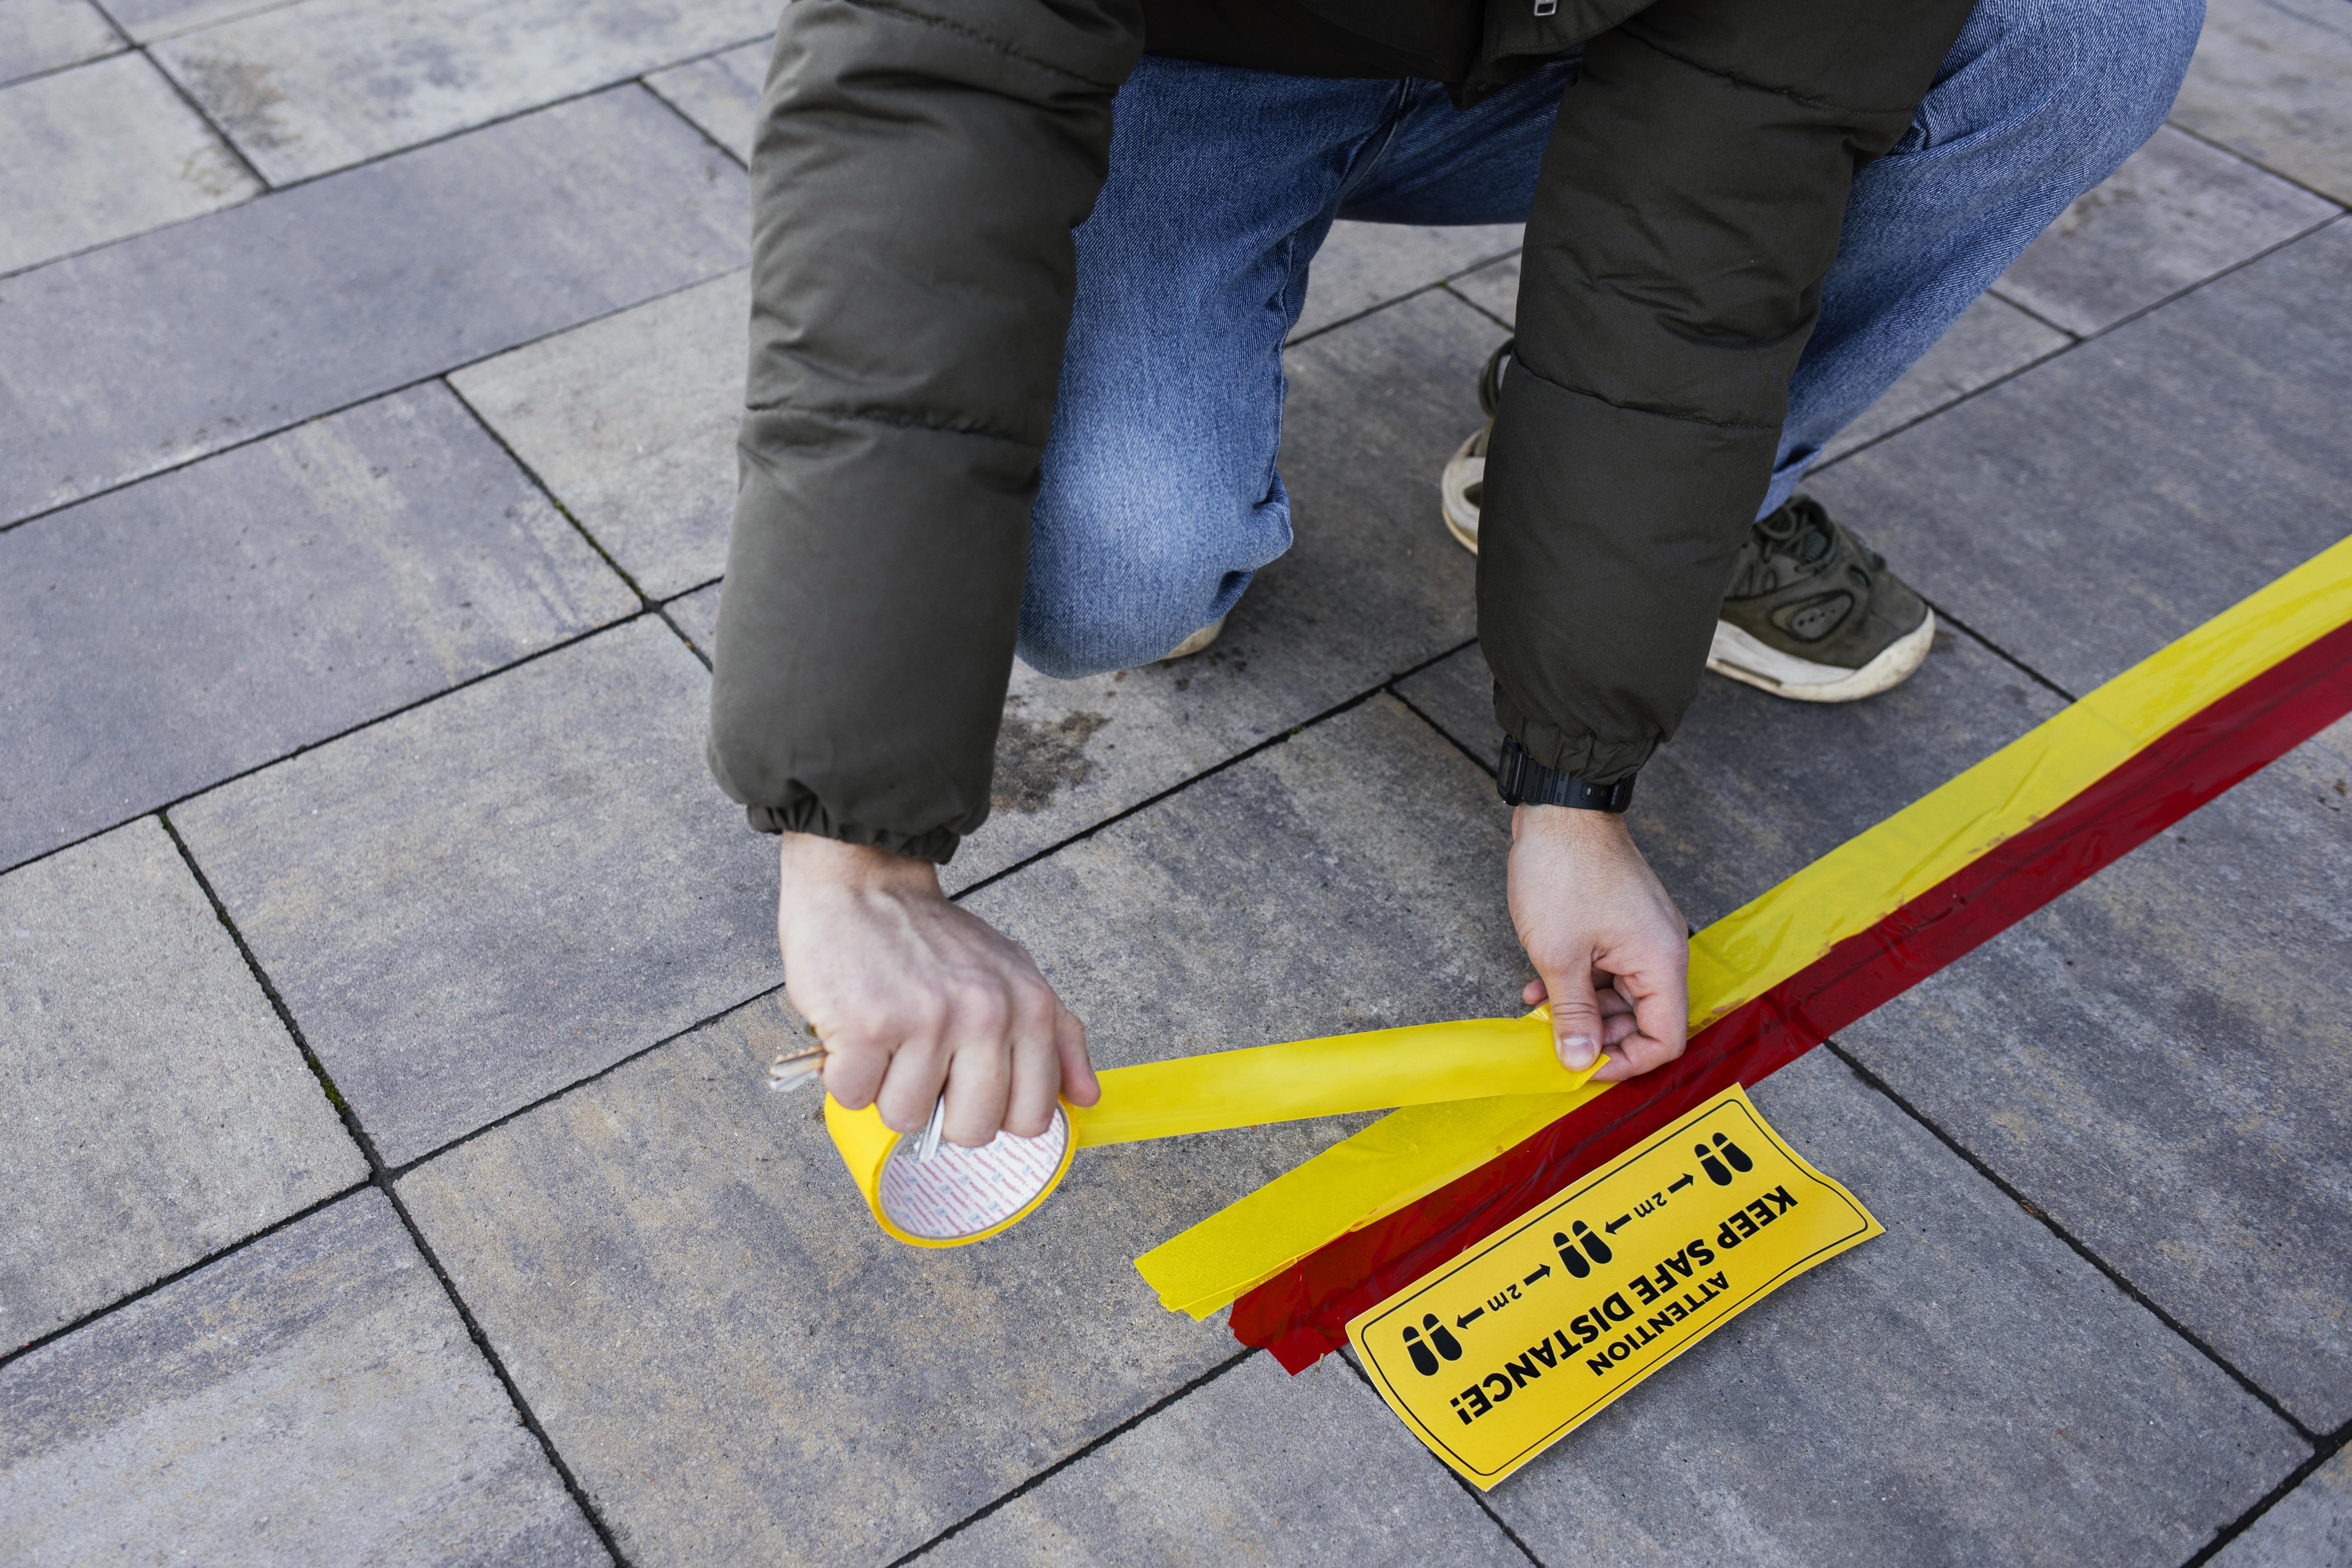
(1567, 825)
(811, 863)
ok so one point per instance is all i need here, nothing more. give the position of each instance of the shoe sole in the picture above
(1196, 643)
(1462, 472)
(1743, 658)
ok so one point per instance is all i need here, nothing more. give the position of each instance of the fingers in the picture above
(1656, 978)
(1078, 1081)
(997, 1048)
(1575, 1018)
(1635, 1054)
(854, 1064)
(980, 1078)
(1035, 1060)
(912, 1077)
(1612, 1002)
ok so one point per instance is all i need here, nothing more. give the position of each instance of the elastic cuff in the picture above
(808, 815)
(1582, 753)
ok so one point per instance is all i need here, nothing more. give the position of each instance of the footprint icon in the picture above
(1713, 1166)
(1592, 1244)
(1441, 1336)
(1425, 1359)
(1570, 1259)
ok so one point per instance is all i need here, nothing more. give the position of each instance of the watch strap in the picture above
(1521, 780)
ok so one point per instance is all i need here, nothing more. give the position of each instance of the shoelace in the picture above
(1799, 529)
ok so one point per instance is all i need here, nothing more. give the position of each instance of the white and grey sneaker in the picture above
(1813, 614)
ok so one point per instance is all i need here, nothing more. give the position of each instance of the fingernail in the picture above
(1578, 1051)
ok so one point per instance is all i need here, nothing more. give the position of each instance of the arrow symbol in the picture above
(1678, 1186)
(1622, 1219)
(1470, 1317)
(1540, 1271)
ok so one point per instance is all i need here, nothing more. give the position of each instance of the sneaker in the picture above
(1194, 643)
(1814, 614)
(1466, 472)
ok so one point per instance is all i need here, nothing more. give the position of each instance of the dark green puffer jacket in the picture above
(917, 170)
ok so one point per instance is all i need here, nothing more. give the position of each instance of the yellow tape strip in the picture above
(1336, 1075)
(1738, 958)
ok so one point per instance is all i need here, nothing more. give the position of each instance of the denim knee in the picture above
(1127, 558)
(2090, 80)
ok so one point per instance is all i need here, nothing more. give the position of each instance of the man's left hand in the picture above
(1611, 952)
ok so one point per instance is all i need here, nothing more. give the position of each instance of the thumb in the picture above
(1575, 1019)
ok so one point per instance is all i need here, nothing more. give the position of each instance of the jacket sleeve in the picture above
(1688, 207)
(917, 168)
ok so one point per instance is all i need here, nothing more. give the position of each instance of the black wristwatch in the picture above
(1523, 781)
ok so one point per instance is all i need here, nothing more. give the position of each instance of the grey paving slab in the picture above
(631, 422)
(1963, 1390)
(2158, 1061)
(719, 92)
(697, 615)
(2269, 82)
(302, 89)
(156, 1110)
(1753, 789)
(310, 1399)
(2176, 213)
(147, 20)
(2309, 1526)
(1372, 586)
(1494, 287)
(820, 1393)
(104, 151)
(147, 354)
(484, 898)
(2088, 512)
(1257, 1466)
(1991, 339)
(1366, 264)
(44, 35)
(203, 622)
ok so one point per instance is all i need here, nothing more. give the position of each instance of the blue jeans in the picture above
(1160, 497)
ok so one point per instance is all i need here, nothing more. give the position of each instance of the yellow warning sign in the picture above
(1510, 1347)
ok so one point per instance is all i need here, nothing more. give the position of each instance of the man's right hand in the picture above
(909, 991)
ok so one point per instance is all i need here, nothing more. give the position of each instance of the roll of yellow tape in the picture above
(959, 1195)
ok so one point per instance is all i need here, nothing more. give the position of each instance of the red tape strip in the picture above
(1303, 1312)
